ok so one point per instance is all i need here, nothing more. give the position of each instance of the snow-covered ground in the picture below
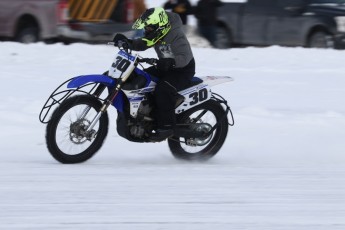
(282, 166)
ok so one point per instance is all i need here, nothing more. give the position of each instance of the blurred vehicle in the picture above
(62, 20)
(307, 23)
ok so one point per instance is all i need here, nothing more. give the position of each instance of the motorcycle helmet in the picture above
(156, 24)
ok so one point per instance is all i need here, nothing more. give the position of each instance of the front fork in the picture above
(105, 105)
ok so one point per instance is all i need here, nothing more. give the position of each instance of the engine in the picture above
(141, 126)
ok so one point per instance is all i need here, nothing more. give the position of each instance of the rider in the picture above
(175, 66)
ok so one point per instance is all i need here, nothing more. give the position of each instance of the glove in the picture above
(121, 39)
(151, 61)
(165, 64)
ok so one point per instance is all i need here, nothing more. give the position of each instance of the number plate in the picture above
(122, 66)
(194, 96)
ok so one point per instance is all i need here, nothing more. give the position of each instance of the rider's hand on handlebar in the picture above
(121, 40)
(151, 61)
(123, 44)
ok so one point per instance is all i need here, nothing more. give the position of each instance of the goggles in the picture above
(150, 28)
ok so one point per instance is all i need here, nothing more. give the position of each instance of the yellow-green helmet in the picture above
(156, 23)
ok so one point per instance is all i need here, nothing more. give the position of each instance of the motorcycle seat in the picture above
(196, 81)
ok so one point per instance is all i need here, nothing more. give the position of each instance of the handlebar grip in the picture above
(151, 61)
(123, 44)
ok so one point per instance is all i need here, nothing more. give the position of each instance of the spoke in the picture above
(199, 116)
(207, 117)
(73, 144)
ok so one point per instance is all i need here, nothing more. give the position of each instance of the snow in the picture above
(281, 167)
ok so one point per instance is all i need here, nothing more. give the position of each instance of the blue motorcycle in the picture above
(77, 118)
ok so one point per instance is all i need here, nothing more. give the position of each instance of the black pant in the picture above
(165, 94)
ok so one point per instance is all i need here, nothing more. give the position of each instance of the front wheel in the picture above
(28, 35)
(211, 114)
(67, 138)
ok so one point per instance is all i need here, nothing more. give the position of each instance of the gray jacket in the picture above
(173, 45)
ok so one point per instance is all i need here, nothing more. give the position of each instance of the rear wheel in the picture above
(211, 114)
(320, 39)
(67, 137)
(223, 38)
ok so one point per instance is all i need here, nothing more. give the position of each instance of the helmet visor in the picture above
(150, 28)
(151, 31)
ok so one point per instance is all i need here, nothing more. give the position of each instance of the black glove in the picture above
(122, 40)
(151, 61)
(165, 64)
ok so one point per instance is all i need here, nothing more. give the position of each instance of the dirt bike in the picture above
(77, 118)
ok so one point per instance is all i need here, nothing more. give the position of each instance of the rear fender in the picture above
(215, 80)
(200, 92)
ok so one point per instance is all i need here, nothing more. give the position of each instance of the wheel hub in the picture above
(200, 141)
(78, 134)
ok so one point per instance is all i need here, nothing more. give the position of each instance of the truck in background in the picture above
(307, 23)
(30, 21)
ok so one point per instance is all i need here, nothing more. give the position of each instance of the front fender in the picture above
(97, 78)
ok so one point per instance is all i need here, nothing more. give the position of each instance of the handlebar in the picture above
(120, 44)
(124, 45)
(150, 61)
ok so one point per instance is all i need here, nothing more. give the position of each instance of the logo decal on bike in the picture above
(125, 55)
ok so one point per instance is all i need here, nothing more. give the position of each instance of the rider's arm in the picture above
(139, 44)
